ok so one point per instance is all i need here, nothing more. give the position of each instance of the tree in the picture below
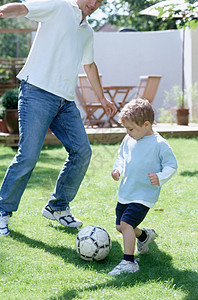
(187, 16)
(126, 14)
(12, 44)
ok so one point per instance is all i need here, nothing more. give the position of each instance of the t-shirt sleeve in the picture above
(168, 158)
(88, 53)
(168, 163)
(165, 175)
(41, 10)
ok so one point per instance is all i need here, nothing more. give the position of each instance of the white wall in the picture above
(123, 56)
(194, 34)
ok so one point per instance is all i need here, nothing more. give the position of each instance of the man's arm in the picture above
(13, 10)
(93, 76)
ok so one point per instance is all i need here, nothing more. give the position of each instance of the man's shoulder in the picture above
(46, 4)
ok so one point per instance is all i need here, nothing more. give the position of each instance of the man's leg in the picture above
(69, 129)
(34, 119)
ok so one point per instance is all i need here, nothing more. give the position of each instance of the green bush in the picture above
(10, 99)
(2, 109)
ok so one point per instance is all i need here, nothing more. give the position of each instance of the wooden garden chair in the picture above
(94, 111)
(148, 87)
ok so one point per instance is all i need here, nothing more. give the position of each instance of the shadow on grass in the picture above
(72, 231)
(7, 156)
(67, 254)
(189, 173)
(155, 266)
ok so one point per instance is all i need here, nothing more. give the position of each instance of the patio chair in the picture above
(148, 87)
(89, 102)
(141, 88)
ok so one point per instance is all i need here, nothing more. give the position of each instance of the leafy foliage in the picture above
(127, 14)
(189, 14)
(10, 99)
(12, 44)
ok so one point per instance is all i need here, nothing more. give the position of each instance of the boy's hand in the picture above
(115, 174)
(153, 179)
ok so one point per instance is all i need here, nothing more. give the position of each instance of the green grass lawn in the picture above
(38, 260)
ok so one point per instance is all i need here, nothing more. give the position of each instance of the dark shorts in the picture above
(132, 213)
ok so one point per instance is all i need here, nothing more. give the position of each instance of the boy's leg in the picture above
(129, 239)
(128, 264)
(144, 239)
(69, 129)
(138, 232)
(128, 216)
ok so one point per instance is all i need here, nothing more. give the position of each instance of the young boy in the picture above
(147, 162)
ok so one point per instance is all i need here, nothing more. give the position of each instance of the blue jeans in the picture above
(38, 111)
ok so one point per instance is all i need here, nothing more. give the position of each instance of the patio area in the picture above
(111, 135)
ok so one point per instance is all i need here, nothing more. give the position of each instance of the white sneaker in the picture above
(64, 217)
(4, 230)
(125, 267)
(143, 247)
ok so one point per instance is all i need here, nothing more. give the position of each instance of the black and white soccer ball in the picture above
(93, 243)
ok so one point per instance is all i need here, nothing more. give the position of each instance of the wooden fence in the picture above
(9, 68)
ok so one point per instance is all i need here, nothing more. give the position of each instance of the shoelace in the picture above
(135, 260)
(69, 212)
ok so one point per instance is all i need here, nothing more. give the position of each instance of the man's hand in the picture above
(1, 11)
(108, 106)
(13, 10)
(115, 174)
(92, 73)
(153, 179)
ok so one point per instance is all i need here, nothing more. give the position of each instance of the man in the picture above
(63, 41)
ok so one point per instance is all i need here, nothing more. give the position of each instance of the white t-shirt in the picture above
(60, 46)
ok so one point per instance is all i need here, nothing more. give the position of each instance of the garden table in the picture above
(115, 92)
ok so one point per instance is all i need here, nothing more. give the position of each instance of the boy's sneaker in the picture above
(143, 247)
(125, 267)
(4, 230)
(64, 217)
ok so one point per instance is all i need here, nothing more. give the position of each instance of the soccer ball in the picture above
(93, 243)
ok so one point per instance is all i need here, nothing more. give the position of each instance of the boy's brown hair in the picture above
(137, 111)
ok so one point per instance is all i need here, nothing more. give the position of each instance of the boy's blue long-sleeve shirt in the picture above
(137, 158)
